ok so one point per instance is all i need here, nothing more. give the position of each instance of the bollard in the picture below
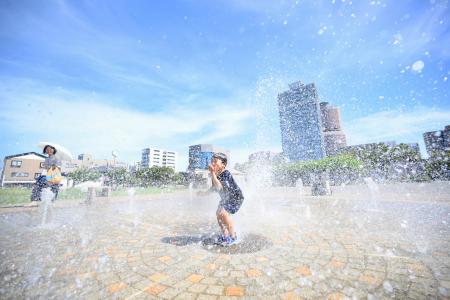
(105, 192)
(89, 195)
(320, 185)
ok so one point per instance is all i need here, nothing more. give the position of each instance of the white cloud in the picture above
(396, 125)
(86, 123)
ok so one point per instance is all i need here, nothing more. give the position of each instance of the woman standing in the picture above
(51, 176)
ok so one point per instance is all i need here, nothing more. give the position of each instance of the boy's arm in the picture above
(216, 184)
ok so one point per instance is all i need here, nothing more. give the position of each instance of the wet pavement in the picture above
(292, 246)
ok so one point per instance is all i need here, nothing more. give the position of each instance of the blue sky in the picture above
(97, 76)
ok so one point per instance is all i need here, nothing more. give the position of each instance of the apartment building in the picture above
(152, 157)
(21, 169)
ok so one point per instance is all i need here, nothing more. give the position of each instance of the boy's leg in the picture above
(222, 222)
(228, 222)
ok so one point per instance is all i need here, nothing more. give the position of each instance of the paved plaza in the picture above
(355, 244)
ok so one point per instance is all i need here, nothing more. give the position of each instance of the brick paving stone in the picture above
(234, 291)
(206, 297)
(241, 267)
(335, 296)
(370, 278)
(183, 284)
(165, 258)
(292, 296)
(220, 274)
(186, 296)
(261, 259)
(209, 280)
(142, 284)
(155, 289)
(211, 266)
(158, 277)
(304, 270)
(336, 264)
(225, 281)
(215, 290)
(254, 273)
(169, 293)
(114, 288)
(314, 259)
(194, 278)
(237, 274)
(197, 288)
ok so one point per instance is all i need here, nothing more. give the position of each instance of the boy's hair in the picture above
(221, 156)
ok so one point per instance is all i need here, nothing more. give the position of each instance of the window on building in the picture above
(41, 165)
(36, 175)
(19, 174)
(16, 163)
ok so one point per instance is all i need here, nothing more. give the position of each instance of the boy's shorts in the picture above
(231, 205)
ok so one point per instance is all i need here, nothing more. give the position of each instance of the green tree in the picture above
(437, 167)
(83, 175)
(384, 162)
(118, 176)
(341, 168)
(156, 176)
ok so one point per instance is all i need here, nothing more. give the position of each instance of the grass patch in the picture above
(143, 191)
(19, 196)
(14, 196)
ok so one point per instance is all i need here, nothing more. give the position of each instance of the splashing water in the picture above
(46, 206)
(191, 192)
(299, 186)
(374, 192)
(131, 192)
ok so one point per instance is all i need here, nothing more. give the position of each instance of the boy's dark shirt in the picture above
(231, 190)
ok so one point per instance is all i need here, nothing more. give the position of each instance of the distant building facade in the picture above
(153, 157)
(21, 169)
(266, 157)
(86, 160)
(333, 135)
(437, 141)
(301, 123)
(200, 156)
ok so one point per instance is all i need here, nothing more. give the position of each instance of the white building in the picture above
(158, 157)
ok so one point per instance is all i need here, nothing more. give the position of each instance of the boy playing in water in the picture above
(231, 197)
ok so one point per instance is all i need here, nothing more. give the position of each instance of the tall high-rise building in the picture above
(158, 157)
(301, 123)
(200, 155)
(437, 141)
(333, 135)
